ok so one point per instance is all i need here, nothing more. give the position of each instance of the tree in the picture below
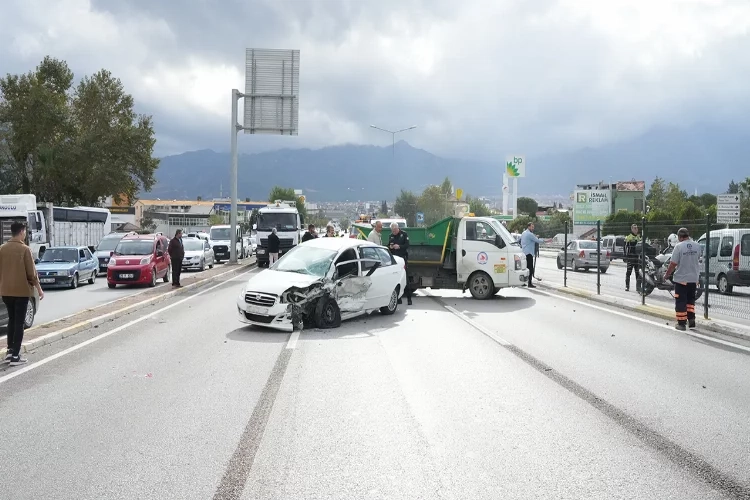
(345, 224)
(734, 188)
(254, 217)
(384, 208)
(705, 200)
(287, 194)
(74, 146)
(674, 198)
(619, 223)
(433, 202)
(527, 206)
(147, 223)
(477, 207)
(216, 220)
(744, 187)
(518, 225)
(657, 195)
(446, 187)
(406, 207)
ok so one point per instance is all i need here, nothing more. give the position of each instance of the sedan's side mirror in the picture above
(36, 261)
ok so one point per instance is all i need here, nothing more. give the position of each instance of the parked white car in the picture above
(198, 254)
(322, 282)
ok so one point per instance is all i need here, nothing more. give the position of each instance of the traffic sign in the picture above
(727, 213)
(420, 217)
(728, 206)
(727, 220)
(728, 198)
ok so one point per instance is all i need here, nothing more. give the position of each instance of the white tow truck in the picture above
(285, 218)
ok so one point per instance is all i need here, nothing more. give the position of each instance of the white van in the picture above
(729, 260)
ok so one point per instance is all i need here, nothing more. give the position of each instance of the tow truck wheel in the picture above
(481, 286)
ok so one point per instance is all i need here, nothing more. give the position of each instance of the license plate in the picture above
(126, 276)
(47, 280)
(257, 310)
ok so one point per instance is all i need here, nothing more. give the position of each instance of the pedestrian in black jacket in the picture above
(176, 253)
(310, 234)
(398, 242)
(273, 247)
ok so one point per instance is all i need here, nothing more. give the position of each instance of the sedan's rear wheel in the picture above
(559, 263)
(28, 320)
(392, 304)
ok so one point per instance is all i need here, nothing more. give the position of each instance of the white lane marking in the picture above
(293, 338)
(49, 359)
(647, 321)
(477, 326)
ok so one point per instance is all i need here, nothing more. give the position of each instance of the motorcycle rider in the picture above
(685, 259)
(632, 258)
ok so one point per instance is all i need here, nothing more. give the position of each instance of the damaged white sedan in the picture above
(322, 282)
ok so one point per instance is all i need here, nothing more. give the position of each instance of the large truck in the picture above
(50, 226)
(284, 216)
(462, 252)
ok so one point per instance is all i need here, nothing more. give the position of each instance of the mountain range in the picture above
(701, 157)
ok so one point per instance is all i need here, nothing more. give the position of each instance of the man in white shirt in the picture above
(375, 235)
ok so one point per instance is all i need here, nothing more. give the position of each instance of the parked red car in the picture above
(139, 259)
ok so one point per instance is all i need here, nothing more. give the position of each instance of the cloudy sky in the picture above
(480, 78)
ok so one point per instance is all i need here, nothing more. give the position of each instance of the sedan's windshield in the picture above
(221, 234)
(282, 222)
(60, 255)
(192, 245)
(108, 244)
(135, 247)
(306, 260)
(587, 245)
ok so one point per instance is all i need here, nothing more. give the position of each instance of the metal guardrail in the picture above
(727, 266)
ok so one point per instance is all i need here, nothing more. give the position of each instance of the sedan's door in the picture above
(384, 277)
(92, 264)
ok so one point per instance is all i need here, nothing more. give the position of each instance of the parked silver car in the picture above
(198, 254)
(582, 254)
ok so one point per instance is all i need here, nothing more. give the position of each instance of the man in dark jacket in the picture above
(310, 234)
(274, 245)
(398, 242)
(632, 258)
(176, 254)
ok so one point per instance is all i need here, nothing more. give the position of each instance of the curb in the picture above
(94, 322)
(715, 326)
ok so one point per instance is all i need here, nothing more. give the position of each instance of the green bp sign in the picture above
(591, 206)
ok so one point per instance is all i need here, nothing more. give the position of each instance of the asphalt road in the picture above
(61, 302)
(523, 396)
(735, 307)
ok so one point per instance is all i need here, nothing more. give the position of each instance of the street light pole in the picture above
(393, 135)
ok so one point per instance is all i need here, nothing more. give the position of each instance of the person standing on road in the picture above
(632, 258)
(274, 244)
(310, 234)
(376, 235)
(18, 278)
(330, 232)
(398, 242)
(529, 243)
(176, 253)
(686, 260)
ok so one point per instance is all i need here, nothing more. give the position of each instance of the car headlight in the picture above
(518, 261)
(243, 291)
(145, 260)
(61, 273)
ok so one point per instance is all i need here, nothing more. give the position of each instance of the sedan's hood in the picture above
(55, 266)
(277, 282)
(193, 253)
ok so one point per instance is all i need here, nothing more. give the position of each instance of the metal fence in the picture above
(598, 263)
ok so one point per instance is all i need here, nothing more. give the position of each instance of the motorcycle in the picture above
(656, 268)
